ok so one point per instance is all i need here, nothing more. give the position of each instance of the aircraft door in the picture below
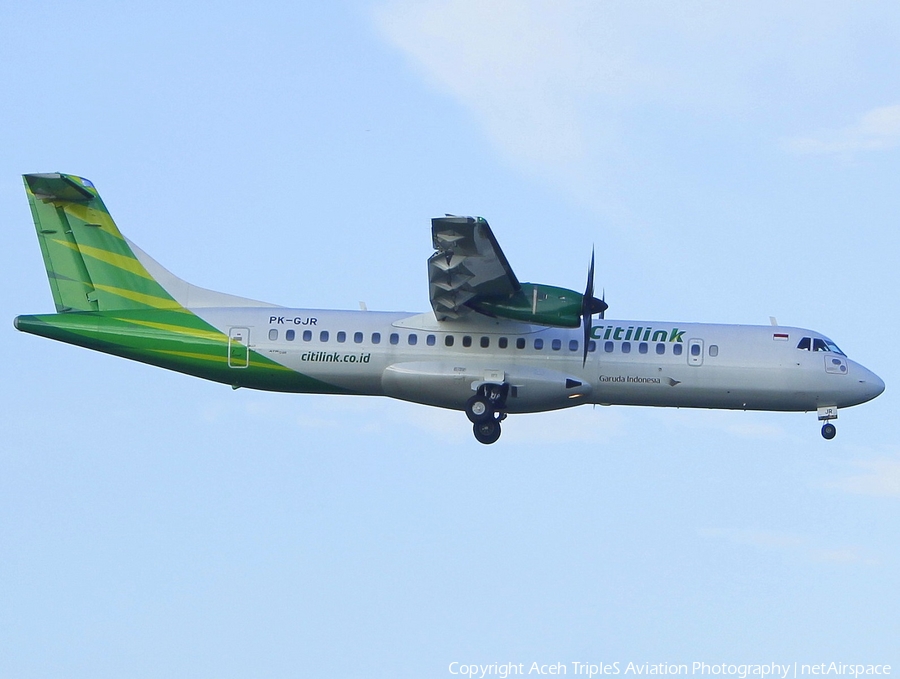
(238, 351)
(695, 352)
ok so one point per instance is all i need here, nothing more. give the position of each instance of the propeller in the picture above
(590, 305)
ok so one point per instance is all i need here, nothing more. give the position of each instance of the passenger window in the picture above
(429, 340)
(467, 340)
(289, 335)
(394, 338)
(592, 346)
(503, 342)
(677, 349)
(660, 348)
(608, 347)
(556, 344)
(642, 348)
(713, 350)
(539, 344)
(307, 335)
(341, 336)
(358, 337)
(323, 336)
(520, 343)
(485, 342)
(805, 343)
(273, 335)
(695, 350)
(376, 338)
(573, 345)
(626, 347)
(448, 340)
(412, 339)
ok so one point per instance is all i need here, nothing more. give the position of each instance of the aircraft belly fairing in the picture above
(447, 384)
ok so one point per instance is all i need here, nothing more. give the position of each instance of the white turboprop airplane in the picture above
(491, 346)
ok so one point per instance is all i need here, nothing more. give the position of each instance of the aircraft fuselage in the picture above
(416, 358)
(492, 345)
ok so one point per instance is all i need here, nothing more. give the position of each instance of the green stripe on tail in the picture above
(89, 263)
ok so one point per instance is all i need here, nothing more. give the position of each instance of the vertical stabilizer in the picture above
(90, 265)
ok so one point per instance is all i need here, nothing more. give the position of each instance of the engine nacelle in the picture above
(447, 385)
(535, 303)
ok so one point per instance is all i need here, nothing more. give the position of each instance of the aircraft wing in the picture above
(468, 266)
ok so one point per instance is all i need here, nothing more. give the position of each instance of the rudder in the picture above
(90, 265)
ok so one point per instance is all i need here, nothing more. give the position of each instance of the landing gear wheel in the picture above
(487, 432)
(829, 431)
(479, 409)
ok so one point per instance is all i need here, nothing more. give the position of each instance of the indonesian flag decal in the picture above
(782, 336)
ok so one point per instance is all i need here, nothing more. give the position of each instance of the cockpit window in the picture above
(833, 347)
(819, 344)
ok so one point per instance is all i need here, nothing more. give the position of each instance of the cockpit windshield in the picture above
(833, 347)
(819, 344)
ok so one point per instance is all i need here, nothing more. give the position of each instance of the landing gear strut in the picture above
(485, 411)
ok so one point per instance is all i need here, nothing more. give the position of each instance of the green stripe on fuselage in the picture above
(173, 339)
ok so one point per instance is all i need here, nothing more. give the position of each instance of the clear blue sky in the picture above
(729, 163)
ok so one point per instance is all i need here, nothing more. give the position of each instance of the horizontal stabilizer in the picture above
(58, 187)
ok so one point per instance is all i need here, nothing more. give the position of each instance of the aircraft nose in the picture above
(870, 384)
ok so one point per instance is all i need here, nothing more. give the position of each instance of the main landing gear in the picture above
(485, 411)
(829, 431)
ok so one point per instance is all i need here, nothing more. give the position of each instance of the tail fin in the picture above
(91, 266)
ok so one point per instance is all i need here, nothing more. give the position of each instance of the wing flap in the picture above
(467, 264)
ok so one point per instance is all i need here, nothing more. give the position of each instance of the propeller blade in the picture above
(590, 305)
(589, 290)
(587, 307)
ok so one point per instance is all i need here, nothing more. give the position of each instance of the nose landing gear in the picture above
(829, 431)
(485, 411)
